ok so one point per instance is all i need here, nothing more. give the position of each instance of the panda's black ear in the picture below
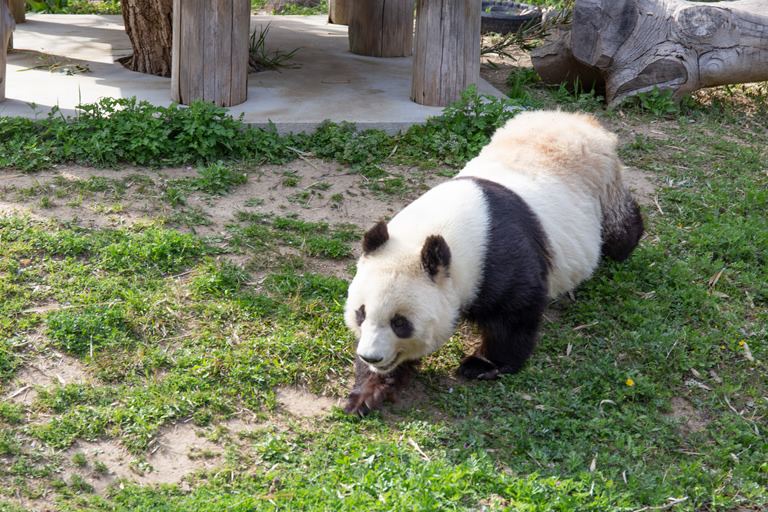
(375, 237)
(435, 254)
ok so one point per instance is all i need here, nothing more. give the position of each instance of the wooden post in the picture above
(7, 24)
(380, 28)
(210, 51)
(17, 9)
(337, 12)
(446, 56)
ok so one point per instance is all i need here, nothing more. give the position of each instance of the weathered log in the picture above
(7, 25)
(380, 28)
(636, 45)
(555, 64)
(446, 56)
(210, 51)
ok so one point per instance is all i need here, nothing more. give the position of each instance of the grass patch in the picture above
(648, 388)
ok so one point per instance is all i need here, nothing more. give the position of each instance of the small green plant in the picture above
(218, 179)
(303, 197)
(346, 144)
(657, 102)
(218, 278)
(86, 331)
(576, 95)
(9, 443)
(78, 484)
(254, 203)
(175, 196)
(293, 10)
(100, 467)
(48, 6)
(463, 128)
(79, 460)
(262, 59)
(94, 7)
(520, 81)
(291, 179)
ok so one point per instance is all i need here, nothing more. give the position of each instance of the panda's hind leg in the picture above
(373, 389)
(507, 345)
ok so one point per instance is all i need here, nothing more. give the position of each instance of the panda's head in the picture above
(401, 303)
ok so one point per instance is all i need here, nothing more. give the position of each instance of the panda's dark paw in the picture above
(361, 404)
(370, 397)
(479, 368)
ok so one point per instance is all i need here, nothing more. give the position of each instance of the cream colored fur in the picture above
(565, 167)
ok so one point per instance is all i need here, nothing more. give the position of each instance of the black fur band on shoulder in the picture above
(375, 237)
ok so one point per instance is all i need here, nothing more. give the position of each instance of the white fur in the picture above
(561, 164)
(564, 166)
(571, 221)
(391, 280)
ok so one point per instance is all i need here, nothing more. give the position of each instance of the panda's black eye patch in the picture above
(360, 315)
(401, 326)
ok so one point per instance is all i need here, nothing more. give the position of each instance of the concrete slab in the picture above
(329, 82)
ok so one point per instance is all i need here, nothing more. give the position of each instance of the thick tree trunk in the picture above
(148, 24)
(636, 45)
(7, 24)
(380, 28)
(446, 50)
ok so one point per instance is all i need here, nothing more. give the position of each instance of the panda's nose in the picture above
(371, 359)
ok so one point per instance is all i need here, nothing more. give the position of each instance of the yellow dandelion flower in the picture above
(630, 382)
(741, 343)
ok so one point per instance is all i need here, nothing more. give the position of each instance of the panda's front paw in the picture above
(477, 367)
(361, 403)
(370, 394)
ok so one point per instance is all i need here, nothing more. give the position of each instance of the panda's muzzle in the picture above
(372, 360)
(379, 364)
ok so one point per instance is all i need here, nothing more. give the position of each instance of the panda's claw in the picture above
(489, 375)
(477, 367)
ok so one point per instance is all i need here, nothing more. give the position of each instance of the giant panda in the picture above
(524, 222)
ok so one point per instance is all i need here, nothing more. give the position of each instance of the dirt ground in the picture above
(183, 448)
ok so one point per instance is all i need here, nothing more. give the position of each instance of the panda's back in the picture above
(569, 216)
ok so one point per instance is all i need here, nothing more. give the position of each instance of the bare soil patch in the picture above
(690, 419)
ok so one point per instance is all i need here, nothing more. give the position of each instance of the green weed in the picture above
(291, 9)
(264, 59)
(660, 103)
(217, 179)
(460, 132)
(94, 7)
(83, 332)
(218, 278)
